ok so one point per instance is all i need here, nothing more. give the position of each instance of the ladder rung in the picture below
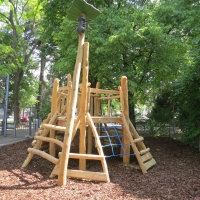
(144, 151)
(138, 139)
(57, 128)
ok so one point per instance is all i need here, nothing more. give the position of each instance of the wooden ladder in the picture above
(143, 155)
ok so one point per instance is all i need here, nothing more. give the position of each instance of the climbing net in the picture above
(113, 137)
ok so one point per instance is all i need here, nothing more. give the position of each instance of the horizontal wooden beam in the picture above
(107, 98)
(62, 118)
(96, 176)
(62, 94)
(84, 156)
(106, 119)
(64, 88)
(102, 91)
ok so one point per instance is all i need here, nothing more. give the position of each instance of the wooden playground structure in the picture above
(88, 109)
(76, 109)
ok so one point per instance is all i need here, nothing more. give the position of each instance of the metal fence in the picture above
(22, 129)
(148, 128)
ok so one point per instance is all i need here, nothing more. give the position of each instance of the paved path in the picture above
(10, 138)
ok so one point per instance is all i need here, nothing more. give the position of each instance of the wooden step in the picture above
(144, 151)
(149, 164)
(44, 155)
(146, 157)
(47, 139)
(138, 139)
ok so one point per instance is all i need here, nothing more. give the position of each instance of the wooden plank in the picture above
(44, 155)
(149, 164)
(46, 139)
(102, 91)
(106, 119)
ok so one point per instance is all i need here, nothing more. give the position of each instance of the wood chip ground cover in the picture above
(176, 175)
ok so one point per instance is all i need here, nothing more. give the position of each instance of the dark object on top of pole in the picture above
(79, 11)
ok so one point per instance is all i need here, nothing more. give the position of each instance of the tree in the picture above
(148, 42)
(20, 22)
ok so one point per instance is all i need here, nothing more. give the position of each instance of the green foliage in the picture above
(188, 97)
(165, 107)
(45, 110)
(155, 44)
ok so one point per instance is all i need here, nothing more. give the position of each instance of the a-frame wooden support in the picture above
(83, 174)
(84, 116)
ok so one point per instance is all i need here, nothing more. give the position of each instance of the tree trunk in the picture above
(17, 80)
(41, 86)
(131, 108)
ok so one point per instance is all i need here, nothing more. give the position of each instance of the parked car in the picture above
(24, 119)
(141, 119)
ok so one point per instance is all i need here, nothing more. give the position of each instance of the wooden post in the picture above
(96, 107)
(54, 102)
(52, 148)
(89, 149)
(125, 111)
(62, 176)
(54, 108)
(109, 106)
(83, 105)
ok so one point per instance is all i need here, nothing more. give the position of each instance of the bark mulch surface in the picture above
(176, 175)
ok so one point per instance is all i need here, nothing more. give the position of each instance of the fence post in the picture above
(30, 124)
(15, 132)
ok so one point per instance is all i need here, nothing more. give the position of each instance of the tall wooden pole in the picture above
(62, 176)
(84, 101)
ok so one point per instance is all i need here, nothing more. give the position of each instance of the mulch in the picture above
(176, 175)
